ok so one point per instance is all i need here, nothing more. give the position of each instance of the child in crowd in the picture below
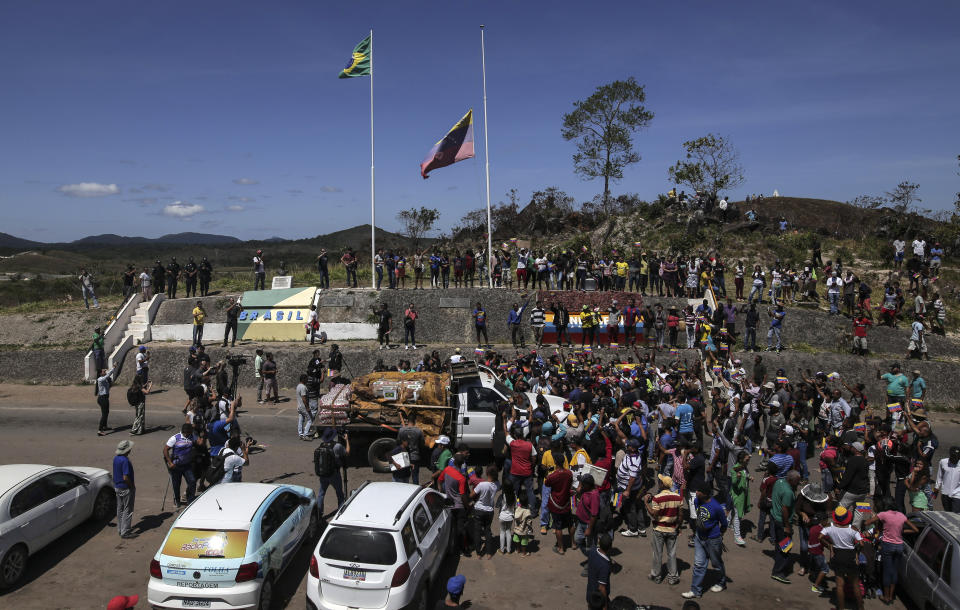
(522, 525)
(916, 482)
(505, 504)
(844, 543)
(818, 562)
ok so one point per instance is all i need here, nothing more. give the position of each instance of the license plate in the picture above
(196, 603)
(355, 574)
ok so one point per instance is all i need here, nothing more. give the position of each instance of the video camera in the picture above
(236, 360)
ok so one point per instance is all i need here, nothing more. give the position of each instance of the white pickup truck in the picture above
(471, 394)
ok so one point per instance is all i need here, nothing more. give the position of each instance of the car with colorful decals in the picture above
(229, 546)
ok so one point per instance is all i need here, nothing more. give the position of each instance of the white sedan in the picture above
(38, 504)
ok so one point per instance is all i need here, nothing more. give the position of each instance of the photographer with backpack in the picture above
(328, 459)
(179, 454)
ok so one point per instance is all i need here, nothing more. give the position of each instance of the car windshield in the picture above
(359, 546)
(206, 544)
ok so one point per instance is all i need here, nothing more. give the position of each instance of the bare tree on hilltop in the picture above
(417, 223)
(712, 164)
(602, 126)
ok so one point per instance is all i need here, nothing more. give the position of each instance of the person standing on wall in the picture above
(205, 274)
(86, 288)
(233, 316)
(146, 284)
(190, 272)
(259, 271)
(173, 277)
(323, 270)
(410, 326)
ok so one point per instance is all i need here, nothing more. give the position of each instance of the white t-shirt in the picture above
(899, 245)
(258, 264)
(834, 284)
(919, 246)
(141, 361)
(486, 493)
(145, 279)
(842, 537)
(232, 466)
(456, 358)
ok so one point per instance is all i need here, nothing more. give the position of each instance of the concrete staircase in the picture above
(139, 327)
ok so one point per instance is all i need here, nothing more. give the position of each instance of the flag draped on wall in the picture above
(359, 63)
(457, 145)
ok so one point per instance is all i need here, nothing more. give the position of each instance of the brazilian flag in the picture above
(359, 63)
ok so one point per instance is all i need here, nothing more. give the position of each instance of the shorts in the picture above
(523, 540)
(860, 343)
(844, 563)
(819, 564)
(898, 256)
(914, 346)
(561, 521)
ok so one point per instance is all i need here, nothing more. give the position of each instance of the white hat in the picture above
(788, 430)
(443, 439)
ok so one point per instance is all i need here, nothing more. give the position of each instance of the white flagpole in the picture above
(486, 150)
(373, 213)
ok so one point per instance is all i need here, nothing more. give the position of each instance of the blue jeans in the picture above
(750, 339)
(88, 292)
(834, 298)
(892, 556)
(703, 550)
(802, 448)
(197, 334)
(775, 331)
(379, 276)
(781, 560)
(337, 484)
(826, 478)
(582, 541)
(519, 482)
(177, 473)
(544, 513)
(755, 290)
(305, 419)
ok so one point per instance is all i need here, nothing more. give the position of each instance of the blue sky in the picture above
(227, 117)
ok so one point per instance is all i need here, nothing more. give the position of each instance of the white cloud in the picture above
(236, 208)
(331, 189)
(245, 181)
(88, 189)
(180, 209)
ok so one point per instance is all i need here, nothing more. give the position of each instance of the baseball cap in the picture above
(143, 348)
(443, 439)
(667, 481)
(858, 446)
(634, 442)
(456, 583)
(328, 434)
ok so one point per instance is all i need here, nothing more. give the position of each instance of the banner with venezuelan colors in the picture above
(457, 145)
(275, 315)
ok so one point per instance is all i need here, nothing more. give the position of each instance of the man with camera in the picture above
(179, 454)
(328, 460)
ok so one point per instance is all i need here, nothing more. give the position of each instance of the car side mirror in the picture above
(85, 482)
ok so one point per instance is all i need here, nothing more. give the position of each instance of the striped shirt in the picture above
(630, 468)
(666, 511)
(537, 318)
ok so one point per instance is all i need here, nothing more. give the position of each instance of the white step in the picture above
(139, 318)
(137, 328)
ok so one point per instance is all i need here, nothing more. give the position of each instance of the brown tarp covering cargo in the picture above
(380, 396)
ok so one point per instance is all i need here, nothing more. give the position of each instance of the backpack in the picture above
(182, 450)
(215, 471)
(133, 397)
(324, 460)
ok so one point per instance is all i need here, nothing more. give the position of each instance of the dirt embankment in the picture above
(72, 328)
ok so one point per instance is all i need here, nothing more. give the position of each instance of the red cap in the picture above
(123, 602)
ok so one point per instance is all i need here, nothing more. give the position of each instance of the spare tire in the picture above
(377, 454)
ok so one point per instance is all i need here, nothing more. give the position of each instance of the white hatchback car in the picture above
(229, 546)
(38, 504)
(382, 549)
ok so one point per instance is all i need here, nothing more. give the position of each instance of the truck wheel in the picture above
(377, 454)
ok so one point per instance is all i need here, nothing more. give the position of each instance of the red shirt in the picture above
(521, 458)
(860, 326)
(560, 483)
(815, 548)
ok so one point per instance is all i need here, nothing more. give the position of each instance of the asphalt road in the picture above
(85, 568)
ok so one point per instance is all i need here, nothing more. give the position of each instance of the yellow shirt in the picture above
(586, 319)
(622, 268)
(198, 316)
(644, 267)
(549, 464)
(580, 458)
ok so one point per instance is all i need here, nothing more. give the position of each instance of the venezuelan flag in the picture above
(786, 544)
(863, 507)
(894, 407)
(861, 427)
(457, 145)
(782, 379)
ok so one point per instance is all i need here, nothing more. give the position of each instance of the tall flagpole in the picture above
(486, 150)
(373, 213)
